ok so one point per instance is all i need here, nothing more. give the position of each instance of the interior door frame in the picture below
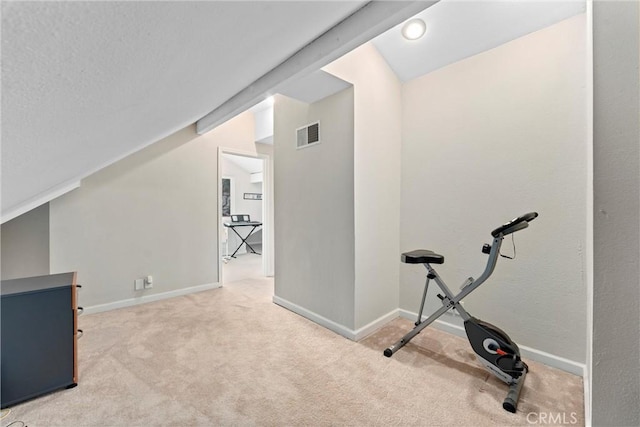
(267, 208)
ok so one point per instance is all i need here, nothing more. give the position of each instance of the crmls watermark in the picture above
(544, 418)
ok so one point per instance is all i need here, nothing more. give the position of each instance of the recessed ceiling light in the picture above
(414, 29)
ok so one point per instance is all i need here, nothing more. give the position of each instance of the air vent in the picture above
(308, 135)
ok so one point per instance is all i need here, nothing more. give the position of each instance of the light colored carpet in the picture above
(242, 267)
(230, 356)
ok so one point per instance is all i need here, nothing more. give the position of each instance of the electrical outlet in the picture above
(138, 284)
(148, 282)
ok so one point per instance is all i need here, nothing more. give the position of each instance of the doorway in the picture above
(244, 238)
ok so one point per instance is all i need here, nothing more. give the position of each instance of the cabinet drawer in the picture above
(37, 333)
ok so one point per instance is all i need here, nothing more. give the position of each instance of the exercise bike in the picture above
(493, 347)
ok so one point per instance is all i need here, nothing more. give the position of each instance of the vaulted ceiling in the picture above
(85, 84)
(460, 29)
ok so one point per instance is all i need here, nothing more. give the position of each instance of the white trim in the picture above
(548, 359)
(219, 213)
(149, 298)
(553, 360)
(441, 325)
(371, 327)
(316, 318)
(372, 19)
(38, 200)
(267, 203)
(586, 381)
(588, 255)
(543, 357)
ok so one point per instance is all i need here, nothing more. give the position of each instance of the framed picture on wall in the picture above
(253, 196)
(226, 196)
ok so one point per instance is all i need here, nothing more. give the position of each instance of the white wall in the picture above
(264, 124)
(25, 244)
(377, 153)
(154, 212)
(485, 140)
(314, 209)
(616, 145)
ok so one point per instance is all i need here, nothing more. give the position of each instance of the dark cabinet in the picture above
(39, 336)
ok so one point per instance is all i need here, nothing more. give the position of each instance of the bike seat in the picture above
(422, 256)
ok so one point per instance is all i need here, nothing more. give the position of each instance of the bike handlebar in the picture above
(515, 224)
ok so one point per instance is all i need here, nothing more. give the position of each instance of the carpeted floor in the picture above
(231, 357)
(242, 267)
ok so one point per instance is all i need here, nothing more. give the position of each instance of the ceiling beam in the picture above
(38, 200)
(374, 18)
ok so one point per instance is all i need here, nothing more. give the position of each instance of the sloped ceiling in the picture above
(314, 87)
(455, 30)
(87, 83)
(460, 29)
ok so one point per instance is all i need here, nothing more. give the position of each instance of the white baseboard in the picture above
(149, 298)
(553, 360)
(354, 335)
(375, 325)
(548, 359)
(441, 325)
(586, 380)
(316, 318)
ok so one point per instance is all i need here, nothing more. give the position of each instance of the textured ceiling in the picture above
(314, 87)
(86, 83)
(457, 29)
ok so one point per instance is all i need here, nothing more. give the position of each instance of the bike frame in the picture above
(449, 300)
